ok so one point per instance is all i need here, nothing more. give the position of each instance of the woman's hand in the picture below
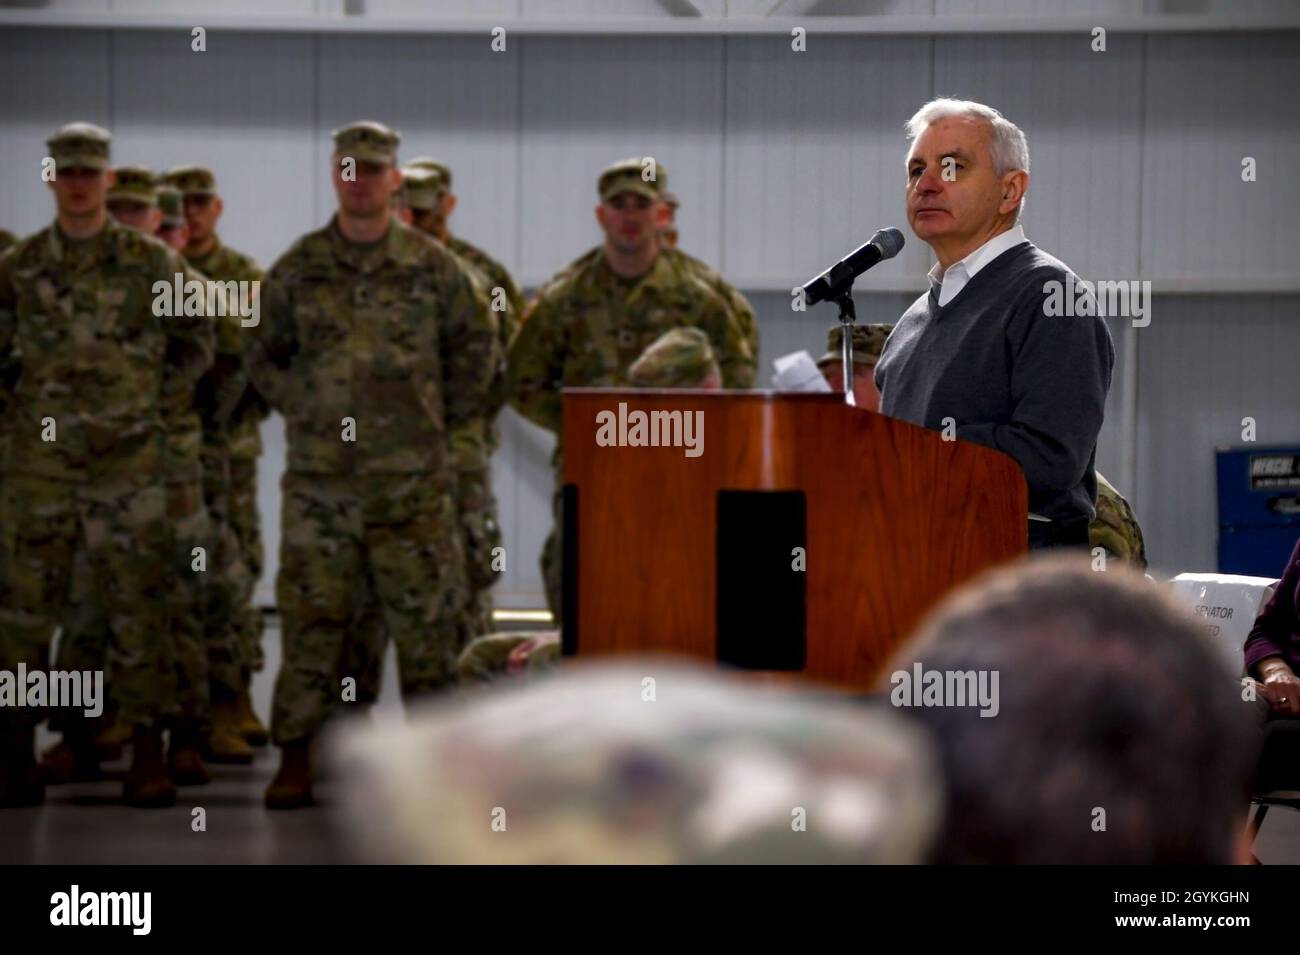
(1281, 686)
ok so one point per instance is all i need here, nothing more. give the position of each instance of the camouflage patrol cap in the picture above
(679, 358)
(172, 204)
(134, 184)
(367, 141)
(192, 180)
(628, 175)
(421, 188)
(868, 343)
(588, 772)
(1116, 527)
(80, 146)
(436, 166)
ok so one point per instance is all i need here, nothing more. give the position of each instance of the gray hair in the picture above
(1007, 142)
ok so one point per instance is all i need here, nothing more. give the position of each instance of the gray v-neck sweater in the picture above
(1013, 378)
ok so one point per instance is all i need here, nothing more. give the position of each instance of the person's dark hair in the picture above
(1111, 698)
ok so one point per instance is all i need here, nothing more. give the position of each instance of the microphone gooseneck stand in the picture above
(848, 315)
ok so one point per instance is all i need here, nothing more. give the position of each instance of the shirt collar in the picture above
(959, 273)
(982, 256)
(364, 258)
(100, 244)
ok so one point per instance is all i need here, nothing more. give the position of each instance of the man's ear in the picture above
(394, 178)
(218, 207)
(448, 205)
(600, 215)
(1014, 186)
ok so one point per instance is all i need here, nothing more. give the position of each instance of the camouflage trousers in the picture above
(393, 536)
(86, 635)
(247, 527)
(552, 559)
(480, 536)
(120, 526)
(230, 582)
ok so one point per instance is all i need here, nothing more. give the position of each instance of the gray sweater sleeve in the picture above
(1061, 373)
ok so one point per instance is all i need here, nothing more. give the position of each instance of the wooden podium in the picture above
(805, 536)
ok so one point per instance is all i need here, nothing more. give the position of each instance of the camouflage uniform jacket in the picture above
(226, 388)
(587, 327)
(393, 335)
(80, 343)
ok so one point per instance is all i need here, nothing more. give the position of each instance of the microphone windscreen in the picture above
(889, 241)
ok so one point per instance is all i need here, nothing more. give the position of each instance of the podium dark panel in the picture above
(762, 600)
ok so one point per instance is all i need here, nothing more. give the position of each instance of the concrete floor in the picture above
(83, 824)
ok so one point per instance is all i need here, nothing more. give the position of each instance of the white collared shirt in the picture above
(951, 282)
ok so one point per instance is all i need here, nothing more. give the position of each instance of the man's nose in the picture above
(929, 183)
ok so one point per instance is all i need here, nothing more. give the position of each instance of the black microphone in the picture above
(838, 279)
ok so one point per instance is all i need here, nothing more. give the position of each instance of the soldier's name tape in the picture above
(209, 299)
(74, 907)
(79, 689)
(653, 429)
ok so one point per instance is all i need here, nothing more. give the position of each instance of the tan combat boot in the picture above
(250, 727)
(148, 785)
(226, 744)
(73, 759)
(184, 758)
(291, 788)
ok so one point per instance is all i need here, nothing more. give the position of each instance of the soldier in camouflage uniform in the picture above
(666, 227)
(588, 325)
(423, 194)
(232, 415)
(1115, 528)
(375, 346)
(476, 502)
(868, 342)
(194, 550)
(88, 371)
(644, 762)
(86, 636)
(679, 358)
(132, 199)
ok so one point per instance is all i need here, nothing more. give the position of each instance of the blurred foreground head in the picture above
(648, 761)
(1119, 734)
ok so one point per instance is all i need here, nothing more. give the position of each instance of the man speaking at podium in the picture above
(978, 354)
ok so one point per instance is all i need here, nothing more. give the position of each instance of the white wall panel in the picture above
(590, 102)
(1081, 112)
(814, 152)
(244, 108)
(1210, 103)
